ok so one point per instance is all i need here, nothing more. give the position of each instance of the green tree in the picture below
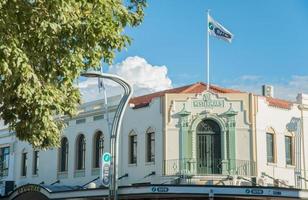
(44, 46)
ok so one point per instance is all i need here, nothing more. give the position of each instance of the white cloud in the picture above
(297, 84)
(284, 90)
(144, 77)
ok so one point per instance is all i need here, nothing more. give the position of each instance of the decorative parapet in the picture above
(208, 102)
(230, 112)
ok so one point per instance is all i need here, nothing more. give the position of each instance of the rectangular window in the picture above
(133, 149)
(98, 117)
(63, 155)
(35, 162)
(270, 147)
(151, 147)
(288, 145)
(24, 164)
(4, 161)
(80, 121)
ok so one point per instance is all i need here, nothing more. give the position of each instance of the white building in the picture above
(7, 143)
(220, 142)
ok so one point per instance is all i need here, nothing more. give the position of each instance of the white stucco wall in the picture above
(152, 116)
(276, 118)
(7, 139)
(48, 159)
(140, 120)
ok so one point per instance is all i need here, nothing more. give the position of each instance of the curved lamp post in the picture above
(116, 125)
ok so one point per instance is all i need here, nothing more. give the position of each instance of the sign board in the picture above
(254, 191)
(107, 158)
(160, 189)
(37, 191)
(105, 170)
(208, 101)
(28, 188)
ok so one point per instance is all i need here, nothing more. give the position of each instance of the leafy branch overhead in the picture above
(44, 45)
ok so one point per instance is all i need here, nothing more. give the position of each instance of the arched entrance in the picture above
(32, 196)
(208, 147)
(29, 191)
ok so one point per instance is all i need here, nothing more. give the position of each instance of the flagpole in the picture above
(208, 52)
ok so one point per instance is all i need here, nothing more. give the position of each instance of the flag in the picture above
(217, 30)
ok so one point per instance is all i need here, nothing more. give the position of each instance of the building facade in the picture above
(183, 137)
(7, 144)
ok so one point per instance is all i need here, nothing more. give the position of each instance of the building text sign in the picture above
(29, 188)
(160, 189)
(208, 102)
(24, 189)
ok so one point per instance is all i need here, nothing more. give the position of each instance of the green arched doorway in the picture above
(208, 147)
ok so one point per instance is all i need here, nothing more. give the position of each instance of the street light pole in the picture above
(116, 126)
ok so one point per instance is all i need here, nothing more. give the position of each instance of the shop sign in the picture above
(277, 193)
(105, 171)
(254, 191)
(160, 189)
(208, 102)
(28, 188)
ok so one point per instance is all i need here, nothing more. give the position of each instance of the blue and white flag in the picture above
(218, 30)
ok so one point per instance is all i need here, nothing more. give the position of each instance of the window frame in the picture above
(4, 161)
(98, 148)
(24, 163)
(150, 146)
(80, 152)
(63, 163)
(274, 156)
(292, 152)
(133, 148)
(35, 163)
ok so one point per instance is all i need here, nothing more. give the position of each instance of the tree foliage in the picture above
(44, 46)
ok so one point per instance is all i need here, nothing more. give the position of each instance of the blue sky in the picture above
(270, 44)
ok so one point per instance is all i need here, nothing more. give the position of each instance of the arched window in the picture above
(289, 148)
(98, 148)
(270, 146)
(24, 163)
(132, 147)
(150, 145)
(81, 152)
(63, 151)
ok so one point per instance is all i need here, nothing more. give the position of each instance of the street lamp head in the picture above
(116, 124)
(92, 74)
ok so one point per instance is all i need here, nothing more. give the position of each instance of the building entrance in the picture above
(208, 148)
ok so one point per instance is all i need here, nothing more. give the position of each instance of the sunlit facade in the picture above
(218, 143)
